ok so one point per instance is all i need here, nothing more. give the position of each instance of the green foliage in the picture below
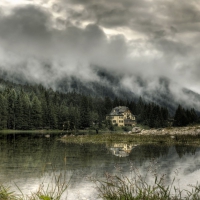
(184, 117)
(6, 194)
(151, 114)
(43, 197)
(126, 128)
(3, 112)
(84, 113)
(36, 113)
(109, 125)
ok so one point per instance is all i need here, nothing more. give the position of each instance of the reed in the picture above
(52, 191)
(113, 187)
(121, 187)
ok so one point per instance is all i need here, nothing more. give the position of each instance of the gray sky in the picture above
(147, 38)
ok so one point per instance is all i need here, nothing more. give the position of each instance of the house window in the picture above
(121, 117)
(121, 121)
(114, 121)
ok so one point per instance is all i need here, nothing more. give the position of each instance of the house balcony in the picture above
(129, 122)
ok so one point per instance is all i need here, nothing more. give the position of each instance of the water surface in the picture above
(29, 159)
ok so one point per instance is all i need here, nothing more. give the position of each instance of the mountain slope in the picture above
(161, 91)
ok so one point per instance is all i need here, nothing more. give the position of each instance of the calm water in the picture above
(27, 160)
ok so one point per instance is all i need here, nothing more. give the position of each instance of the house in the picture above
(120, 149)
(121, 116)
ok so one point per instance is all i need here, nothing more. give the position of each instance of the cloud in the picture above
(25, 30)
(140, 38)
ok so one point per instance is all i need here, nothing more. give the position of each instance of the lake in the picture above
(27, 160)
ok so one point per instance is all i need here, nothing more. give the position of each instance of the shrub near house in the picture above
(121, 116)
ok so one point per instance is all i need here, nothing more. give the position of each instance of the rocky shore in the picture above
(190, 130)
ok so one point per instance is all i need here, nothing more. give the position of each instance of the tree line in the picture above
(35, 107)
(183, 117)
(25, 107)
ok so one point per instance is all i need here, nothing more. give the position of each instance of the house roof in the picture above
(118, 110)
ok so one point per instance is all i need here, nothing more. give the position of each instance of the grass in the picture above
(6, 194)
(120, 187)
(52, 191)
(114, 187)
(136, 139)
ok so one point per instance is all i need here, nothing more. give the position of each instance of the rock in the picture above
(136, 130)
(129, 132)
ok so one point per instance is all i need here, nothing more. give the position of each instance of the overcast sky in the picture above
(147, 38)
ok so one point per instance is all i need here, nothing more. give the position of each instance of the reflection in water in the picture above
(29, 160)
(185, 149)
(120, 149)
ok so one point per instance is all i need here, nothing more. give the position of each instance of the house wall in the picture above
(116, 120)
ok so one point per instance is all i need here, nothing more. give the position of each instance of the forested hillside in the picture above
(107, 83)
(35, 107)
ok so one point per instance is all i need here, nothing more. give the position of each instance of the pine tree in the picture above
(180, 118)
(62, 117)
(52, 117)
(84, 113)
(18, 113)
(140, 106)
(12, 96)
(194, 117)
(107, 105)
(36, 113)
(71, 117)
(3, 112)
(26, 107)
(116, 102)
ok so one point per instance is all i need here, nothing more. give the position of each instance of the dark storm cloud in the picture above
(144, 16)
(110, 13)
(25, 30)
(30, 21)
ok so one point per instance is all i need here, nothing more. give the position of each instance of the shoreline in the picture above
(172, 135)
(42, 131)
(189, 130)
(169, 135)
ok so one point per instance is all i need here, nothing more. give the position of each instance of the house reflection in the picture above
(120, 149)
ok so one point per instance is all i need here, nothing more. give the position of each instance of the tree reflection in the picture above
(185, 149)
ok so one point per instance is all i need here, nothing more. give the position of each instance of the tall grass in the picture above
(121, 187)
(113, 187)
(6, 194)
(52, 191)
